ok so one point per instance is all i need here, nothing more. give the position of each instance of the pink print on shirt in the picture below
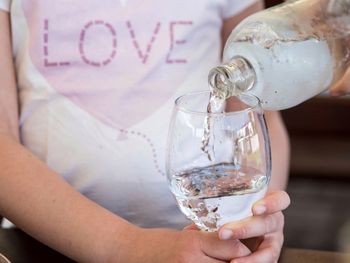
(46, 49)
(143, 55)
(113, 46)
(111, 65)
(174, 41)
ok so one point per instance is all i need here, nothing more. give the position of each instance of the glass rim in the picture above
(257, 105)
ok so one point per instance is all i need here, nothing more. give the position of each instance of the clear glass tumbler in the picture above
(218, 164)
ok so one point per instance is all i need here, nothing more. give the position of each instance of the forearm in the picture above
(232, 22)
(8, 95)
(280, 150)
(38, 200)
(45, 206)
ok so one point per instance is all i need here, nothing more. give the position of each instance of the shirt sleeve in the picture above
(234, 7)
(5, 5)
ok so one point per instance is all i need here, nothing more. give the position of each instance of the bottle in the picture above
(286, 54)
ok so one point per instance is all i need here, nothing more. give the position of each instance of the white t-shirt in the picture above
(97, 84)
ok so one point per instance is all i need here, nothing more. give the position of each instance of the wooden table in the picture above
(290, 255)
(21, 248)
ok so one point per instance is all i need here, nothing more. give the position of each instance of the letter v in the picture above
(143, 55)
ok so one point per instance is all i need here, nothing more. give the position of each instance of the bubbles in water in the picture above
(214, 195)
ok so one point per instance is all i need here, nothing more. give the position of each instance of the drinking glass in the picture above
(218, 163)
(3, 259)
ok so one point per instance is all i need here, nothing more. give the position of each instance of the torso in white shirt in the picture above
(97, 84)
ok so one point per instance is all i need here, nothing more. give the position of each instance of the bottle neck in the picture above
(233, 78)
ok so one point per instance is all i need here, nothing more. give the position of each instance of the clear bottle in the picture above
(286, 54)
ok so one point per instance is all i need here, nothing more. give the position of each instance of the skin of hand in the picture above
(343, 86)
(263, 231)
(189, 246)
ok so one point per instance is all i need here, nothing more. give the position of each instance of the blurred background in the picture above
(319, 186)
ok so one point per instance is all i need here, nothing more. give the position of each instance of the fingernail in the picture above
(259, 210)
(226, 234)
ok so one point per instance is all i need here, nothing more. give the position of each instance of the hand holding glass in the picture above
(218, 164)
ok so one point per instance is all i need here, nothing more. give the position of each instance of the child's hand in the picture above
(343, 86)
(191, 246)
(265, 227)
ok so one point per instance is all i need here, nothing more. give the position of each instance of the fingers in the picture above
(222, 249)
(215, 248)
(343, 86)
(268, 252)
(253, 227)
(274, 202)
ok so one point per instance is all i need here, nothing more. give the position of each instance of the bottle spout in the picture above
(220, 83)
(233, 78)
